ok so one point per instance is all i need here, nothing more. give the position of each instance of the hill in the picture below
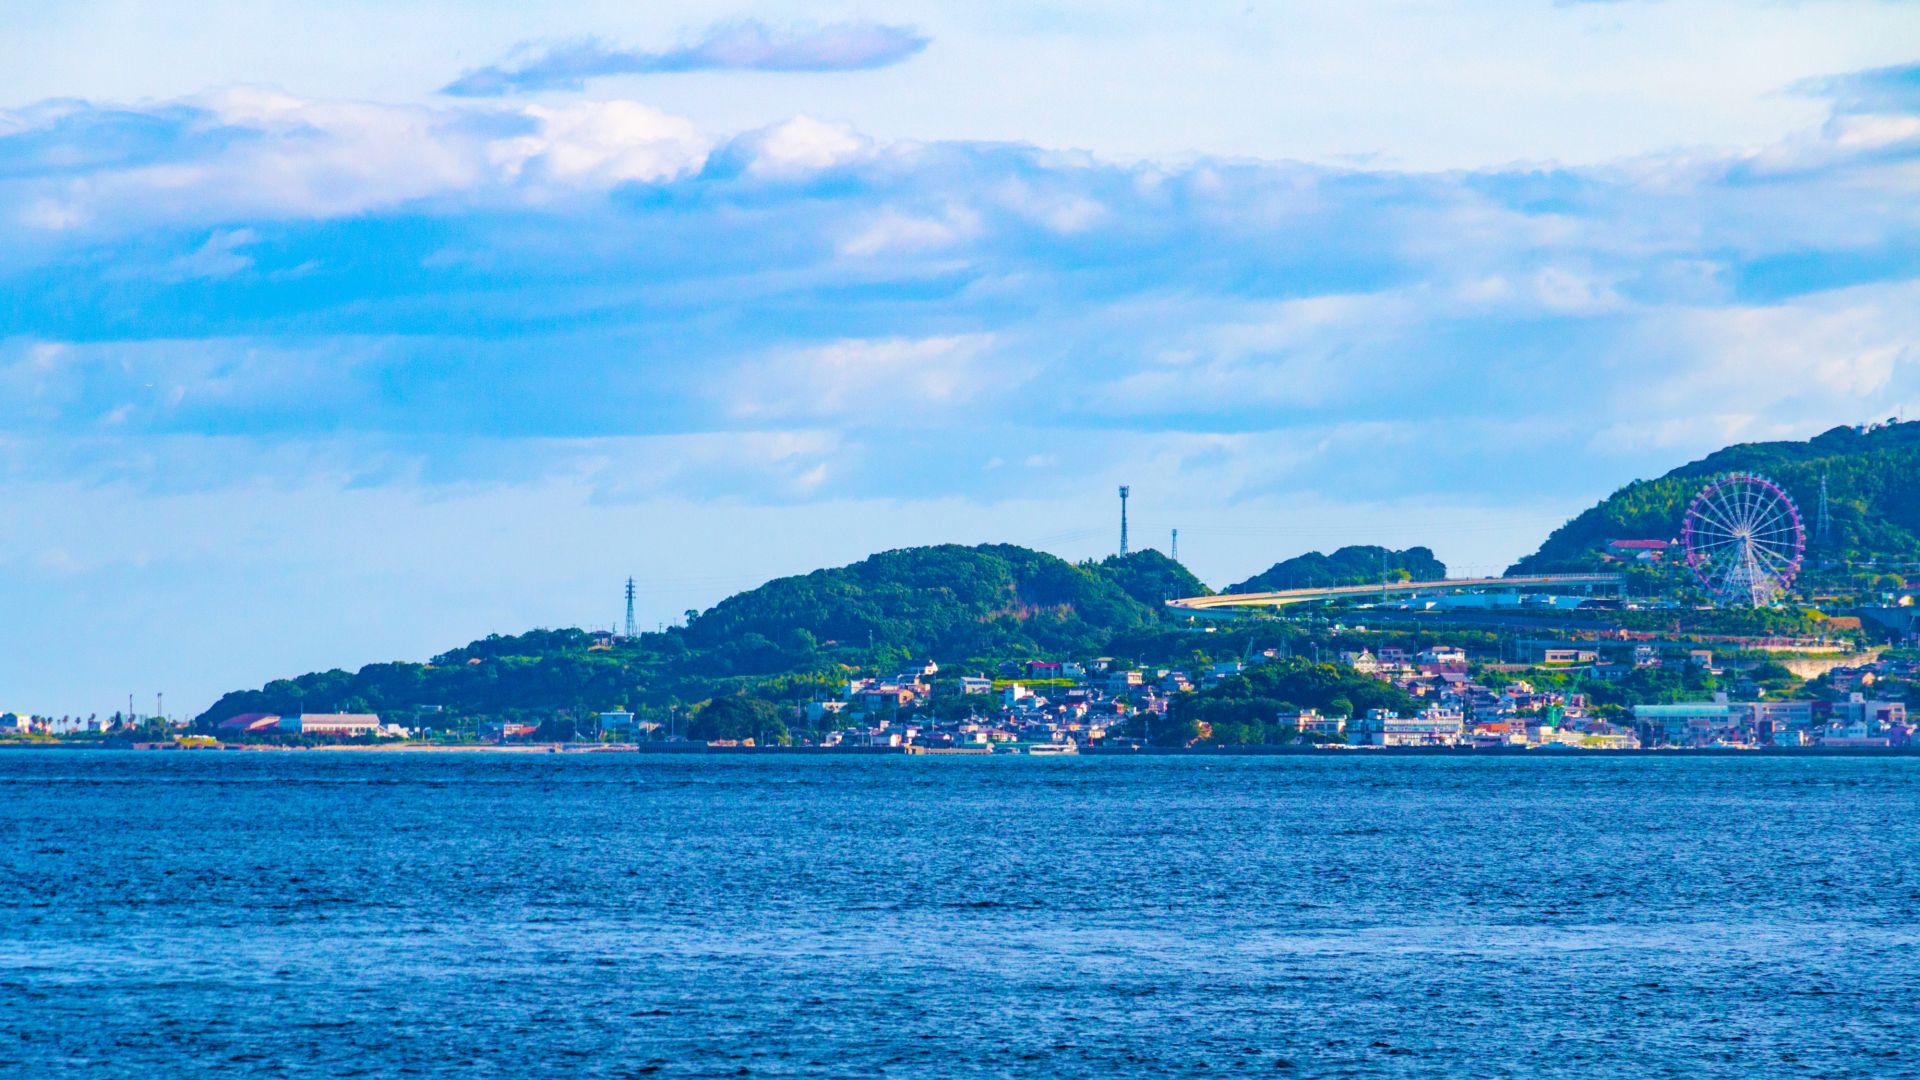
(1873, 484)
(1149, 577)
(1356, 565)
(949, 603)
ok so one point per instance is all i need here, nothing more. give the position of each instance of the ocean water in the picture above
(343, 914)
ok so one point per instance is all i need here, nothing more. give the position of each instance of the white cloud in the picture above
(1064, 212)
(805, 145)
(602, 143)
(892, 231)
(887, 382)
(221, 256)
(269, 156)
(1818, 360)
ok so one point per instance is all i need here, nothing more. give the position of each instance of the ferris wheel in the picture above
(1744, 539)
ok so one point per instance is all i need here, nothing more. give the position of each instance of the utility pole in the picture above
(1124, 492)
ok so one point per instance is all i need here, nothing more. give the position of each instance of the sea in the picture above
(342, 914)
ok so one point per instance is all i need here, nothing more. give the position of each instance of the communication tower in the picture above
(630, 632)
(1124, 492)
(1173, 552)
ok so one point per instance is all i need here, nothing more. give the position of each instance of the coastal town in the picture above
(1099, 705)
(1726, 619)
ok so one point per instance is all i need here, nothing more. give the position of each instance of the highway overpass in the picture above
(1532, 583)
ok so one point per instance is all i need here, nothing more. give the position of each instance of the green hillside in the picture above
(1356, 565)
(949, 603)
(1149, 577)
(1873, 483)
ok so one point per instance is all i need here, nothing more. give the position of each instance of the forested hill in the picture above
(1358, 565)
(1873, 484)
(948, 603)
(1149, 577)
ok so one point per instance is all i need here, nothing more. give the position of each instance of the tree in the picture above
(738, 719)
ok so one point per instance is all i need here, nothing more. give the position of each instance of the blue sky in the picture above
(348, 335)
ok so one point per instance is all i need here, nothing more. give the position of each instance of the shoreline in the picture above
(655, 749)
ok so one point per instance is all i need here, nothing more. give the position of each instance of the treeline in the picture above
(1242, 709)
(1353, 565)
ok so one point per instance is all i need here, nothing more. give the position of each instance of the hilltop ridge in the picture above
(946, 601)
(1873, 487)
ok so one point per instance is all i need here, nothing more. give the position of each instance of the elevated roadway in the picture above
(1396, 588)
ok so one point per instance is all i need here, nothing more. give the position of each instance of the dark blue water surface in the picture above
(366, 914)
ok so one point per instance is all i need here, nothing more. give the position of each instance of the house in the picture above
(874, 737)
(1498, 733)
(1856, 734)
(1363, 662)
(1565, 654)
(1639, 550)
(890, 696)
(975, 684)
(1310, 722)
(1879, 714)
(1444, 656)
(617, 722)
(819, 711)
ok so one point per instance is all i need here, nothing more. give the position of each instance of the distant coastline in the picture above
(698, 750)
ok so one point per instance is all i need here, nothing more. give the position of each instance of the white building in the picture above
(1432, 727)
(345, 724)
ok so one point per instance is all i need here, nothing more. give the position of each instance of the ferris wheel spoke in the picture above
(1720, 556)
(1779, 563)
(1726, 513)
(1735, 500)
(1777, 518)
(1711, 525)
(1714, 539)
(1741, 498)
(1755, 503)
(1715, 533)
